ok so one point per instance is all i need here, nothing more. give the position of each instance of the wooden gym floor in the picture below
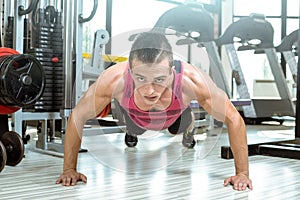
(159, 168)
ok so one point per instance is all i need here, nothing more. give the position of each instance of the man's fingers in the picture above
(250, 186)
(66, 181)
(227, 181)
(83, 178)
(58, 181)
(73, 181)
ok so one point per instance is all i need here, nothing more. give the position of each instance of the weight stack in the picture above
(8, 39)
(58, 72)
(49, 53)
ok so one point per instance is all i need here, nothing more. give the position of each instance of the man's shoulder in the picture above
(121, 66)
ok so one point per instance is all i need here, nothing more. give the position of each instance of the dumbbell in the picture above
(11, 149)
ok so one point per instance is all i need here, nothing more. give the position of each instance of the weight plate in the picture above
(57, 43)
(58, 51)
(14, 146)
(58, 67)
(3, 156)
(40, 50)
(43, 54)
(22, 79)
(48, 73)
(56, 81)
(47, 67)
(57, 29)
(48, 89)
(42, 46)
(47, 42)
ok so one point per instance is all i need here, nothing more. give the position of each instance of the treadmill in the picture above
(247, 29)
(251, 26)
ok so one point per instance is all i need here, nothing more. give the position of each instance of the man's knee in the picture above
(183, 123)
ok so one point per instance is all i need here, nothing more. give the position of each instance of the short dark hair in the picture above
(151, 47)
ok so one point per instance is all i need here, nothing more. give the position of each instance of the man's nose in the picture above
(149, 88)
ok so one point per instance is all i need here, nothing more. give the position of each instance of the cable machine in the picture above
(46, 30)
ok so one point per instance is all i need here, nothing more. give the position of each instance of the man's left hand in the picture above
(239, 182)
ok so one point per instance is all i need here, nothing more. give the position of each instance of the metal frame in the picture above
(73, 79)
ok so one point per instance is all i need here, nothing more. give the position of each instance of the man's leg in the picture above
(132, 130)
(185, 124)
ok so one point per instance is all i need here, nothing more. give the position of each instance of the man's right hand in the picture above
(70, 178)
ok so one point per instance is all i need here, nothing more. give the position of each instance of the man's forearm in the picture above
(239, 147)
(72, 143)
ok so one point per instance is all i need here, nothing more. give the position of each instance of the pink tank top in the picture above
(154, 120)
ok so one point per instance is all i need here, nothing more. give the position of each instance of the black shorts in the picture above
(180, 125)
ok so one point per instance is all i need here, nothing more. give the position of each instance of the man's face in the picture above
(151, 80)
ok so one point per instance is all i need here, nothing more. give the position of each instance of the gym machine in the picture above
(54, 38)
(285, 148)
(247, 29)
(22, 83)
(37, 31)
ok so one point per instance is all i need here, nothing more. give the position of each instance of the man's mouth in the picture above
(150, 98)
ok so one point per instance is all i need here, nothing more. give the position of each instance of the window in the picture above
(245, 8)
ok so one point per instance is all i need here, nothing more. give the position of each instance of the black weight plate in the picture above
(57, 43)
(45, 59)
(40, 50)
(14, 147)
(47, 42)
(43, 29)
(58, 90)
(59, 40)
(58, 52)
(46, 108)
(49, 81)
(23, 79)
(43, 46)
(56, 81)
(43, 37)
(58, 76)
(48, 89)
(58, 67)
(58, 73)
(47, 100)
(52, 95)
(57, 28)
(58, 96)
(48, 73)
(3, 156)
(49, 86)
(47, 67)
(43, 25)
(47, 94)
(43, 54)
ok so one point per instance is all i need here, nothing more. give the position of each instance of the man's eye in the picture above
(159, 80)
(141, 79)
